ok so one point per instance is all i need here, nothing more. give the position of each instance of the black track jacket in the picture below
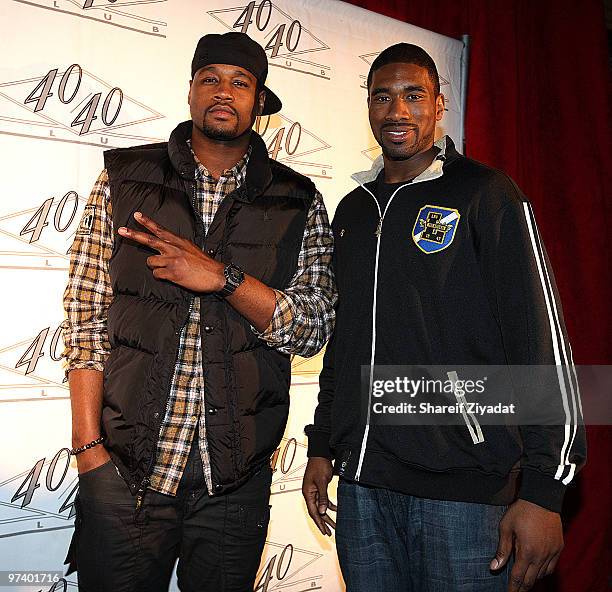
(485, 297)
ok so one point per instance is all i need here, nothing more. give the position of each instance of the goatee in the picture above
(217, 133)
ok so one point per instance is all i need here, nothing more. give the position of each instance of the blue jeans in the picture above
(395, 542)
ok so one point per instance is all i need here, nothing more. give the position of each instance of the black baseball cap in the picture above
(236, 49)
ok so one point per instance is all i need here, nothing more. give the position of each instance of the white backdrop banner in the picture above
(81, 76)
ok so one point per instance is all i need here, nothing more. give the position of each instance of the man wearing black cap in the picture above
(200, 264)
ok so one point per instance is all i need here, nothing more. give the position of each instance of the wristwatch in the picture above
(234, 276)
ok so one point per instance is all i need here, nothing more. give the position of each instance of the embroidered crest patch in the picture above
(435, 228)
(86, 224)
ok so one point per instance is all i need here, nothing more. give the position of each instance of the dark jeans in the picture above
(395, 542)
(218, 540)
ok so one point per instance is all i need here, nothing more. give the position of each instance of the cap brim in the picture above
(273, 104)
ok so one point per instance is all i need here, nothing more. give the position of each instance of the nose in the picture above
(224, 91)
(399, 110)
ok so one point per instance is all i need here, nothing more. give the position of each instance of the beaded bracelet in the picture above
(85, 447)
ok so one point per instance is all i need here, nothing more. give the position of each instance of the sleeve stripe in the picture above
(570, 427)
(569, 368)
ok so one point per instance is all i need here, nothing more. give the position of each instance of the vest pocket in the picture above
(262, 406)
(272, 264)
(126, 388)
(260, 380)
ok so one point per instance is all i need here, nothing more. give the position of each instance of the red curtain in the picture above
(539, 108)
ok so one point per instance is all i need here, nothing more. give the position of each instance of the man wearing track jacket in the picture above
(438, 261)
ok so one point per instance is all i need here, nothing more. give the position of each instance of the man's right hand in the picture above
(92, 459)
(317, 476)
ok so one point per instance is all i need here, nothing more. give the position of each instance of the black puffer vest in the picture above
(259, 227)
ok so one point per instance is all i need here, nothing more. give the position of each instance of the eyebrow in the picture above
(411, 88)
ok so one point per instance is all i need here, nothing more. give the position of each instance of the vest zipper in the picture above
(140, 494)
(230, 384)
(378, 234)
(147, 478)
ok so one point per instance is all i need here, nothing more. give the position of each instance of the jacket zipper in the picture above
(378, 234)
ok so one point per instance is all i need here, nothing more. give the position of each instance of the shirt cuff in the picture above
(82, 364)
(280, 327)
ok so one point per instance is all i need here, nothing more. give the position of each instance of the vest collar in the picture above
(258, 175)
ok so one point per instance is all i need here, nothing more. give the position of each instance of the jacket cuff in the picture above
(542, 490)
(318, 444)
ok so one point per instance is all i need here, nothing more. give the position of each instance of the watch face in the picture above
(234, 274)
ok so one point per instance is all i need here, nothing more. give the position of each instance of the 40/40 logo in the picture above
(34, 352)
(67, 91)
(41, 498)
(286, 566)
(58, 465)
(32, 369)
(289, 450)
(282, 563)
(281, 35)
(73, 105)
(135, 16)
(40, 237)
(64, 215)
(290, 39)
(288, 463)
(276, 136)
(289, 142)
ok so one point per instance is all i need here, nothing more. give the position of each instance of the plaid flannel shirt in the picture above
(302, 321)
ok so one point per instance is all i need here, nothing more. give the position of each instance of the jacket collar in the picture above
(258, 175)
(447, 154)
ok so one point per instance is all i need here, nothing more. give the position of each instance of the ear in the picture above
(261, 100)
(439, 107)
(189, 93)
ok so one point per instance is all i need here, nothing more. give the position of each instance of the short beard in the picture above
(216, 133)
(397, 153)
(225, 135)
(394, 152)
